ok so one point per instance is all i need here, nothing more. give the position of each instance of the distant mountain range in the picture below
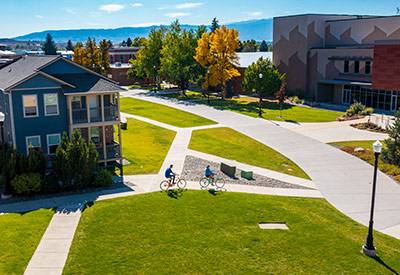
(255, 29)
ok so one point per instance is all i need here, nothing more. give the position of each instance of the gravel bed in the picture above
(193, 170)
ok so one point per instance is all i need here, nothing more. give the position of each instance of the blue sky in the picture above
(25, 16)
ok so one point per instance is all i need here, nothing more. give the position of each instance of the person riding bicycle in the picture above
(169, 174)
(209, 173)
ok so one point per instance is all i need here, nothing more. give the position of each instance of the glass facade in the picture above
(377, 99)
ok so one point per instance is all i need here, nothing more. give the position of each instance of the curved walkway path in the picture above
(344, 180)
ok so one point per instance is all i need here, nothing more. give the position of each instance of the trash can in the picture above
(124, 124)
(246, 175)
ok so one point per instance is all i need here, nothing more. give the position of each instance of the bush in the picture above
(295, 99)
(358, 109)
(27, 184)
(391, 153)
(103, 178)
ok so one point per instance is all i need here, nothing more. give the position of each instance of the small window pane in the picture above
(53, 142)
(33, 142)
(356, 67)
(367, 67)
(51, 104)
(346, 66)
(30, 105)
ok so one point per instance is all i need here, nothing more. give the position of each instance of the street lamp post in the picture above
(368, 248)
(260, 102)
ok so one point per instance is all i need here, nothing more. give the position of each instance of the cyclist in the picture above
(170, 175)
(209, 173)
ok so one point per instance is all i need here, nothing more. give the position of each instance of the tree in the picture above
(216, 52)
(214, 24)
(148, 59)
(177, 56)
(264, 46)
(202, 29)
(281, 94)
(391, 153)
(123, 43)
(49, 47)
(92, 56)
(78, 53)
(104, 47)
(70, 46)
(249, 46)
(263, 78)
(129, 42)
(139, 42)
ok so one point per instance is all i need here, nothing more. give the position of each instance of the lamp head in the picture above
(260, 75)
(2, 117)
(377, 147)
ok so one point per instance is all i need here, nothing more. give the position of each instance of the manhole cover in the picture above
(273, 225)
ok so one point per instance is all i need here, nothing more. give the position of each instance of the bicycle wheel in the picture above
(164, 185)
(220, 183)
(181, 183)
(204, 182)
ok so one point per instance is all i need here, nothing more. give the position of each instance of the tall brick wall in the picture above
(386, 67)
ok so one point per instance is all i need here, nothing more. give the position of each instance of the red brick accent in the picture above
(386, 67)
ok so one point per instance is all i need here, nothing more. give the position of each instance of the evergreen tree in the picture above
(123, 43)
(49, 47)
(92, 56)
(264, 46)
(129, 42)
(138, 42)
(214, 24)
(104, 47)
(391, 153)
(70, 46)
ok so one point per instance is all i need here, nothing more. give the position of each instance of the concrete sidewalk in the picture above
(344, 180)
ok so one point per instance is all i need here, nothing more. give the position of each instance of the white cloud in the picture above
(188, 5)
(177, 14)
(137, 5)
(39, 16)
(111, 7)
(254, 13)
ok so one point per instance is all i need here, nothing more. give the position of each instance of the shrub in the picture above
(27, 184)
(391, 153)
(358, 108)
(36, 162)
(103, 178)
(295, 99)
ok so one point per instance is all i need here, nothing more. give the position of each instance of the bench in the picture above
(228, 170)
(248, 175)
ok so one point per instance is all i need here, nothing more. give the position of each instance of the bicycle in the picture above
(219, 182)
(167, 184)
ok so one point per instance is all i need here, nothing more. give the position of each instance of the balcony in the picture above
(113, 151)
(80, 116)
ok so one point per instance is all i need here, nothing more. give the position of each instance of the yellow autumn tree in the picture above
(217, 53)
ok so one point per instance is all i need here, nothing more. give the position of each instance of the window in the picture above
(346, 66)
(51, 104)
(356, 67)
(95, 135)
(76, 102)
(52, 143)
(33, 142)
(368, 67)
(30, 105)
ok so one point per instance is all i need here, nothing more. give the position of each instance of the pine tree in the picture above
(70, 46)
(214, 24)
(49, 47)
(104, 47)
(391, 153)
(129, 42)
(264, 46)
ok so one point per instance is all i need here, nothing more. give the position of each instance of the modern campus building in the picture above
(44, 96)
(341, 58)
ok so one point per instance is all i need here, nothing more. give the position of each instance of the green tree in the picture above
(263, 78)
(49, 47)
(249, 46)
(139, 42)
(202, 29)
(92, 56)
(214, 24)
(104, 47)
(123, 43)
(391, 153)
(129, 42)
(148, 59)
(281, 95)
(264, 46)
(70, 46)
(75, 161)
(177, 56)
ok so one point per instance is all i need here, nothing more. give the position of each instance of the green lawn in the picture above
(271, 109)
(19, 236)
(368, 156)
(230, 144)
(162, 113)
(201, 233)
(145, 146)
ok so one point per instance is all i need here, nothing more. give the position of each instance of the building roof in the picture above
(246, 59)
(5, 52)
(344, 82)
(22, 69)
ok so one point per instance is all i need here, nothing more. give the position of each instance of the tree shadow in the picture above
(380, 261)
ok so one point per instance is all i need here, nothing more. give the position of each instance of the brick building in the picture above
(341, 58)
(119, 64)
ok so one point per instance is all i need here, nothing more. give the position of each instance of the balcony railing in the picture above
(110, 113)
(95, 114)
(81, 115)
(113, 151)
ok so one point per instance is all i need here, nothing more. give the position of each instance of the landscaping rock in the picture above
(359, 150)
